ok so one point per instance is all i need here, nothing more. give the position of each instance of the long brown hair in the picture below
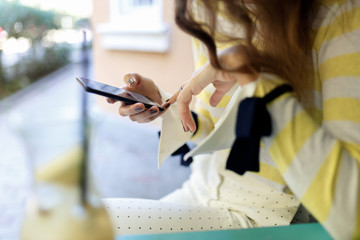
(277, 33)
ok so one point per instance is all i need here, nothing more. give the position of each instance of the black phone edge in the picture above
(115, 97)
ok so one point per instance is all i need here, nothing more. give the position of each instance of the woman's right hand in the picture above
(137, 112)
(230, 59)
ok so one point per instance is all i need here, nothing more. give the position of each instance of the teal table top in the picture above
(294, 232)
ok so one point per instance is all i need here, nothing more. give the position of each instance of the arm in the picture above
(318, 150)
(319, 157)
(206, 114)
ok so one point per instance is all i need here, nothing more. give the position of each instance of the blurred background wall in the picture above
(139, 36)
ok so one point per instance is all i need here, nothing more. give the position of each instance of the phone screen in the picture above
(115, 93)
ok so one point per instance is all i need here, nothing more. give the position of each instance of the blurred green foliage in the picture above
(23, 21)
(31, 23)
(30, 69)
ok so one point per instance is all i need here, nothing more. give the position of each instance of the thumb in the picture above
(216, 97)
(145, 86)
(221, 88)
(132, 80)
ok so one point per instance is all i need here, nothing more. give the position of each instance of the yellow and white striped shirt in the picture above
(315, 145)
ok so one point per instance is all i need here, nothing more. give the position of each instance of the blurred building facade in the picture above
(139, 36)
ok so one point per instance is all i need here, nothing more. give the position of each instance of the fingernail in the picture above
(183, 125)
(138, 109)
(131, 81)
(167, 105)
(153, 111)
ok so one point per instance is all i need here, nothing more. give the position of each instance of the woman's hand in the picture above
(223, 81)
(137, 112)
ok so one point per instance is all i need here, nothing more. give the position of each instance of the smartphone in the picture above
(116, 93)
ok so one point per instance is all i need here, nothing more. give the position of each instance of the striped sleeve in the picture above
(321, 161)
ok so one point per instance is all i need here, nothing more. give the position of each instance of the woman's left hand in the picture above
(223, 81)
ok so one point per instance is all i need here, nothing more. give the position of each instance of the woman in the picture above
(310, 148)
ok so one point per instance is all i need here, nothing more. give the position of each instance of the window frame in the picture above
(129, 32)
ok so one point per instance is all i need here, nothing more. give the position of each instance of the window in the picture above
(135, 25)
(148, 9)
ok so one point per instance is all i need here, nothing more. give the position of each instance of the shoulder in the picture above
(336, 18)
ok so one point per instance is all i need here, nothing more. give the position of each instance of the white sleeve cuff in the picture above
(172, 135)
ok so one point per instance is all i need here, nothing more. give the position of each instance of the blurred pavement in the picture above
(123, 154)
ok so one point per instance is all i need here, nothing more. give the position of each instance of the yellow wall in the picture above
(168, 70)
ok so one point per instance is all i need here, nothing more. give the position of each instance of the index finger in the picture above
(200, 79)
(174, 97)
(184, 99)
(111, 101)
